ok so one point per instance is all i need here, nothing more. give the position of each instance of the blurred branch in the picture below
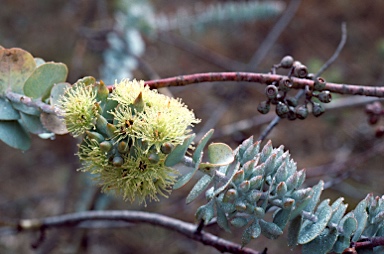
(184, 228)
(201, 52)
(271, 38)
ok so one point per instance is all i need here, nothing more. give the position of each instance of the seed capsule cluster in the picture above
(127, 135)
(288, 106)
(375, 111)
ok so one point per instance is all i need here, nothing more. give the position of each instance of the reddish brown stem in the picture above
(369, 243)
(262, 79)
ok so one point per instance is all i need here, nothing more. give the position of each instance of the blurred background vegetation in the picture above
(339, 146)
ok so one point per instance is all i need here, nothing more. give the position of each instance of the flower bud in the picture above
(138, 104)
(95, 135)
(230, 195)
(117, 161)
(111, 130)
(123, 147)
(105, 146)
(102, 91)
(153, 158)
(166, 148)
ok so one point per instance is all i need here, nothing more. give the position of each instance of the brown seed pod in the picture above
(271, 91)
(286, 62)
(300, 70)
(285, 84)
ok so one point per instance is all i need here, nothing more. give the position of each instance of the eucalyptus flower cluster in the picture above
(127, 135)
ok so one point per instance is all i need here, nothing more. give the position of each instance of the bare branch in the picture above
(263, 79)
(184, 228)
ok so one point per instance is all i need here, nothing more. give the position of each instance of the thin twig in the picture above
(19, 98)
(184, 228)
(337, 52)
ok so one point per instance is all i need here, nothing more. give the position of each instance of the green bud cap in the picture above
(102, 91)
(123, 147)
(319, 84)
(317, 109)
(230, 195)
(263, 107)
(167, 148)
(286, 62)
(95, 135)
(105, 146)
(101, 124)
(117, 161)
(110, 130)
(87, 81)
(154, 158)
(139, 103)
(244, 186)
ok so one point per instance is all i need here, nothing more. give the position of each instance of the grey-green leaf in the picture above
(251, 232)
(361, 218)
(321, 244)
(24, 108)
(219, 154)
(199, 187)
(57, 91)
(317, 189)
(310, 230)
(43, 78)
(205, 212)
(32, 123)
(270, 229)
(222, 220)
(7, 112)
(294, 230)
(14, 135)
(181, 181)
(15, 67)
(178, 152)
(200, 147)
